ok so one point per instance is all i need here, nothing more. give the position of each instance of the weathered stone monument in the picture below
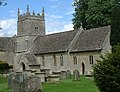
(10, 78)
(25, 82)
(63, 74)
(76, 75)
(68, 74)
(32, 84)
(53, 78)
(17, 83)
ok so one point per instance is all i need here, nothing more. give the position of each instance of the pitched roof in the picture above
(31, 60)
(87, 40)
(3, 42)
(10, 47)
(91, 39)
(52, 43)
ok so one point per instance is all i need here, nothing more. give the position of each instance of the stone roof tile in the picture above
(31, 59)
(3, 43)
(91, 39)
(88, 40)
(53, 43)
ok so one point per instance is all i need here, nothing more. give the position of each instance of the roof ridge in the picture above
(31, 43)
(56, 33)
(74, 40)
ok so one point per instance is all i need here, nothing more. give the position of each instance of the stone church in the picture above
(31, 49)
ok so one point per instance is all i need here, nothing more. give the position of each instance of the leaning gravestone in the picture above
(25, 82)
(76, 75)
(10, 77)
(68, 74)
(63, 75)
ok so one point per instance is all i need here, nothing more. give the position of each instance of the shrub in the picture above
(107, 72)
(4, 67)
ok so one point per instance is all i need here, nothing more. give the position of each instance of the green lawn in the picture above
(4, 85)
(84, 85)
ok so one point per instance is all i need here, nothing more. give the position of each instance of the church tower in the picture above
(30, 23)
(29, 26)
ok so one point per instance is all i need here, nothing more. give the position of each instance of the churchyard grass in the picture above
(68, 85)
(4, 85)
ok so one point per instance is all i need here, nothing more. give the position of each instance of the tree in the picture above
(4, 67)
(107, 72)
(79, 15)
(2, 3)
(92, 13)
(115, 25)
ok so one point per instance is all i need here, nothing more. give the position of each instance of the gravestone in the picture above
(10, 77)
(63, 74)
(15, 85)
(41, 75)
(18, 83)
(76, 75)
(25, 82)
(68, 74)
(32, 84)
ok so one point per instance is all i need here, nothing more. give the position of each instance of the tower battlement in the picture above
(30, 15)
(31, 23)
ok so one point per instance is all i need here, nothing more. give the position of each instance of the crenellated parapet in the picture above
(32, 15)
(31, 23)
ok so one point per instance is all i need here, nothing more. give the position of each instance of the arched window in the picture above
(54, 59)
(23, 66)
(36, 29)
(91, 59)
(43, 60)
(15, 44)
(75, 60)
(61, 60)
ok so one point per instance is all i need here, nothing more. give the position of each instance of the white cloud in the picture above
(68, 27)
(59, 27)
(55, 16)
(9, 27)
(70, 12)
(54, 24)
(13, 13)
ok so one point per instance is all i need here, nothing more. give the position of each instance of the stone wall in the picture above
(27, 24)
(68, 64)
(83, 61)
(23, 43)
(2, 56)
(49, 62)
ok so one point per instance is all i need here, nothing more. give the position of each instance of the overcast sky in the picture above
(58, 14)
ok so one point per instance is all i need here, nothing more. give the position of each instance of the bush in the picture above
(4, 67)
(107, 72)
